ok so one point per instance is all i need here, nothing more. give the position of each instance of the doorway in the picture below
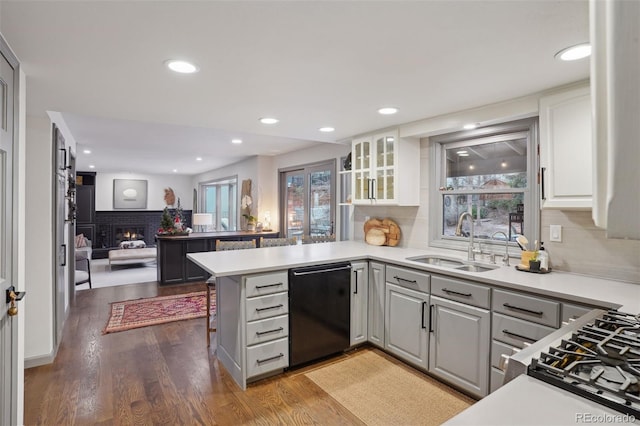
(308, 200)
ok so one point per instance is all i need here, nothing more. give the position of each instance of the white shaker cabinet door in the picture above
(566, 151)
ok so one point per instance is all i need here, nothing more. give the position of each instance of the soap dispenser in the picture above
(543, 257)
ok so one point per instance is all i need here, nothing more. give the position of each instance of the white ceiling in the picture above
(308, 63)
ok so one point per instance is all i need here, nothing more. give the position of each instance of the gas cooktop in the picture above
(600, 361)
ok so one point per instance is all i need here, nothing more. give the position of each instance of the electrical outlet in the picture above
(555, 233)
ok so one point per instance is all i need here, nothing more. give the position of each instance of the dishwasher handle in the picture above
(321, 271)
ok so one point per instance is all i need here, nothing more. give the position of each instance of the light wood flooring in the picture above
(162, 374)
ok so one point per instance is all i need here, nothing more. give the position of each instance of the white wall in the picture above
(22, 252)
(181, 185)
(38, 305)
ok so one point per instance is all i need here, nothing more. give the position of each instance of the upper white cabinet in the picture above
(566, 150)
(386, 170)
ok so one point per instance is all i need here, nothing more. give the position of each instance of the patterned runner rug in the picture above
(158, 310)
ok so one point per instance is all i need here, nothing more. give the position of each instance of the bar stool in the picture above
(278, 242)
(211, 282)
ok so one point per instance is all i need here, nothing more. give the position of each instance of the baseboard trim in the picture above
(37, 361)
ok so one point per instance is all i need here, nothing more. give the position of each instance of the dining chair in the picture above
(278, 242)
(211, 282)
(313, 239)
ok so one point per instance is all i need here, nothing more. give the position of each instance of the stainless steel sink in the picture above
(437, 261)
(475, 268)
(447, 262)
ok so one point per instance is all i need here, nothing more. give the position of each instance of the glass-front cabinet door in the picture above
(361, 169)
(385, 147)
(386, 169)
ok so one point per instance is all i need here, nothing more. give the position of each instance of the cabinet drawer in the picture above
(517, 332)
(408, 278)
(570, 311)
(534, 309)
(461, 291)
(259, 285)
(267, 306)
(497, 349)
(497, 378)
(267, 357)
(267, 329)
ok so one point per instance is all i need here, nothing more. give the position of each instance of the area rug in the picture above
(380, 392)
(137, 313)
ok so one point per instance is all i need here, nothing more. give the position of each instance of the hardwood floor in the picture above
(162, 374)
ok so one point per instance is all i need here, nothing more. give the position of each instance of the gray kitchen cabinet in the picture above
(375, 323)
(359, 299)
(459, 344)
(407, 328)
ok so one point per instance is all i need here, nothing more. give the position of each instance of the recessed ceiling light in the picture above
(236, 141)
(175, 170)
(326, 129)
(87, 151)
(91, 166)
(573, 53)
(387, 110)
(183, 67)
(471, 167)
(470, 126)
(198, 158)
(269, 120)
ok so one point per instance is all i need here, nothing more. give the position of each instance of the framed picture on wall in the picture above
(129, 194)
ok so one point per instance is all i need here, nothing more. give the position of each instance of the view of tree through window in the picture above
(487, 178)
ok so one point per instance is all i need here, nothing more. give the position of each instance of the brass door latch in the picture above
(12, 298)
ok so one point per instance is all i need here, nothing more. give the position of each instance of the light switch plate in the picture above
(555, 233)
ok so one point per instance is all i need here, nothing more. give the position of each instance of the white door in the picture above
(8, 273)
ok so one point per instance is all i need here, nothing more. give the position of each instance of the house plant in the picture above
(251, 222)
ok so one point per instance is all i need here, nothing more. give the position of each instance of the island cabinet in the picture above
(386, 169)
(460, 329)
(173, 265)
(253, 325)
(406, 315)
(359, 299)
(375, 323)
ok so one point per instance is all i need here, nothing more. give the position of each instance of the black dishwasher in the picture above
(319, 311)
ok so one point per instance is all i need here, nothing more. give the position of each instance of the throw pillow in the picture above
(80, 241)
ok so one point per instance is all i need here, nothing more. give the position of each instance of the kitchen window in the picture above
(220, 198)
(490, 173)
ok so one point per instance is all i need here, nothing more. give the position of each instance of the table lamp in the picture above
(202, 220)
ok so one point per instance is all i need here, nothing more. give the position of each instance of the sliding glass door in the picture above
(308, 200)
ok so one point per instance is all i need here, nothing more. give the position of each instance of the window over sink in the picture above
(490, 173)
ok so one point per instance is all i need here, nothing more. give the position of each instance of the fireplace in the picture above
(129, 233)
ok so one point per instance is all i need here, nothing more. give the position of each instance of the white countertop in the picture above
(578, 288)
(528, 401)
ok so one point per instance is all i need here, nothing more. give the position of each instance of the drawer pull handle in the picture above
(269, 308)
(517, 308)
(405, 280)
(275, 330)
(456, 293)
(518, 336)
(261, 361)
(268, 285)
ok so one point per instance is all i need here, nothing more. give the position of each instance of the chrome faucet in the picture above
(470, 253)
(505, 258)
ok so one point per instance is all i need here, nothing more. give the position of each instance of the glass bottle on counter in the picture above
(543, 257)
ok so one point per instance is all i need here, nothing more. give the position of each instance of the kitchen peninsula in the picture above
(247, 279)
(173, 266)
